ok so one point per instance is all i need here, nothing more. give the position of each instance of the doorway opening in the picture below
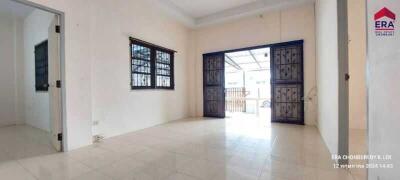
(31, 56)
(248, 85)
(236, 82)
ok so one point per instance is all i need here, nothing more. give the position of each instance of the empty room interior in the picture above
(199, 90)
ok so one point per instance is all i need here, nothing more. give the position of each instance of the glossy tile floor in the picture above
(195, 149)
(20, 142)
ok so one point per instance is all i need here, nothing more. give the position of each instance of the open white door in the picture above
(55, 84)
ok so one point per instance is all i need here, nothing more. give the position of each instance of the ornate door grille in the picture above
(214, 85)
(287, 83)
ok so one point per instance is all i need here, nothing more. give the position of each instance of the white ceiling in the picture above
(201, 8)
(193, 13)
(197, 13)
(14, 9)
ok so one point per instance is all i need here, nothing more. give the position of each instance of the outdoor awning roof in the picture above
(249, 60)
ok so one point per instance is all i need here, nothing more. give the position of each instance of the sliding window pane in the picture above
(141, 66)
(163, 69)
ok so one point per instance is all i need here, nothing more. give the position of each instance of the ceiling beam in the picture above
(255, 59)
(241, 64)
(264, 69)
(231, 62)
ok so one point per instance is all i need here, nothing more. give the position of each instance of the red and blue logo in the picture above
(385, 22)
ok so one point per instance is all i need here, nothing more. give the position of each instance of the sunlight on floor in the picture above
(250, 125)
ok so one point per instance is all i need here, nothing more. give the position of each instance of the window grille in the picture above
(152, 66)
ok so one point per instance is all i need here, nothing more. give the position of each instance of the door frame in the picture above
(294, 42)
(61, 16)
(343, 82)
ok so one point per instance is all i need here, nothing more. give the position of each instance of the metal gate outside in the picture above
(235, 99)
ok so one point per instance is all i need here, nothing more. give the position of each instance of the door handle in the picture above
(58, 83)
(347, 76)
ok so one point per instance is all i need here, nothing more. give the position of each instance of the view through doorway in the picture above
(247, 85)
(255, 81)
(31, 116)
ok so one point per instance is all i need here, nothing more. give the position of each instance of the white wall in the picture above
(36, 104)
(117, 108)
(273, 27)
(357, 66)
(9, 55)
(383, 59)
(97, 67)
(327, 72)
